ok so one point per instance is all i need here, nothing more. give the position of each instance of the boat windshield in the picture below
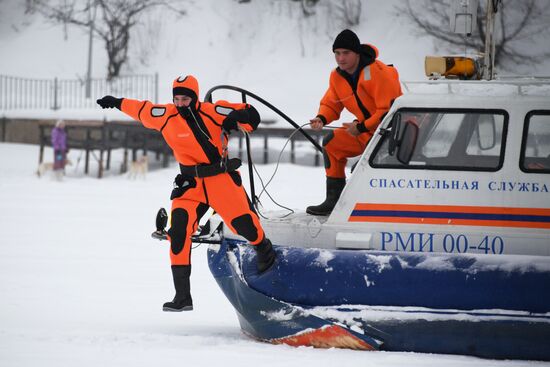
(450, 139)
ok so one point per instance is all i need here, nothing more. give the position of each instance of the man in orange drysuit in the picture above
(366, 87)
(197, 132)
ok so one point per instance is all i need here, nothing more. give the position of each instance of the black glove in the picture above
(229, 124)
(109, 102)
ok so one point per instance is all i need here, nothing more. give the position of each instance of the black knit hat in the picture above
(347, 39)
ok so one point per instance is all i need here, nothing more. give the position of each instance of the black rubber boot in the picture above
(334, 189)
(182, 301)
(265, 255)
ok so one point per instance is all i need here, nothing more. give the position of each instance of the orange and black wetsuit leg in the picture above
(229, 199)
(186, 213)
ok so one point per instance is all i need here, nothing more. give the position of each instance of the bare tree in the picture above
(520, 24)
(344, 12)
(114, 24)
(350, 12)
(307, 6)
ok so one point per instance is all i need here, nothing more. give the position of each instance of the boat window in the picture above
(470, 140)
(535, 151)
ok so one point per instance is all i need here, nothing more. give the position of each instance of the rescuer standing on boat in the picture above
(364, 86)
(197, 132)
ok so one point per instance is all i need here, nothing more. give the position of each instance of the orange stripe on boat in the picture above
(454, 208)
(452, 215)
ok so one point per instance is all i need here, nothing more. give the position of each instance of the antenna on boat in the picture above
(463, 20)
(489, 59)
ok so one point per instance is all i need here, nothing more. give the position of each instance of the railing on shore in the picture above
(103, 137)
(26, 93)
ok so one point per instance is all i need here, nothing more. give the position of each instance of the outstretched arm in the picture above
(150, 115)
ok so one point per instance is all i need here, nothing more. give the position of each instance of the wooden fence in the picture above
(25, 93)
(103, 137)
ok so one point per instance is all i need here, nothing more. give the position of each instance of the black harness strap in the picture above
(208, 170)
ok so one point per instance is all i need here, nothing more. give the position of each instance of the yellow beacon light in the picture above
(458, 67)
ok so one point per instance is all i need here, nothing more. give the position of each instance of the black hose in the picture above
(244, 93)
(208, 98)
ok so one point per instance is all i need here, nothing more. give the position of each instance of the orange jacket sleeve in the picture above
(151, 115)
(330, 107)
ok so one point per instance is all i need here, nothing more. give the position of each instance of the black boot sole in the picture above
(172, 309)
(315, 212)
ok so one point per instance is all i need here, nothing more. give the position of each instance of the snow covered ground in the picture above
(82, 283)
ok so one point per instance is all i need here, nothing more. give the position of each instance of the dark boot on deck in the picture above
(265, 256)
(335, 186)
(182, 301)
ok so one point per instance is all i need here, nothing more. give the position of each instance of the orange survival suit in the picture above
(198, 135)
(197, 140)
(368, 95)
